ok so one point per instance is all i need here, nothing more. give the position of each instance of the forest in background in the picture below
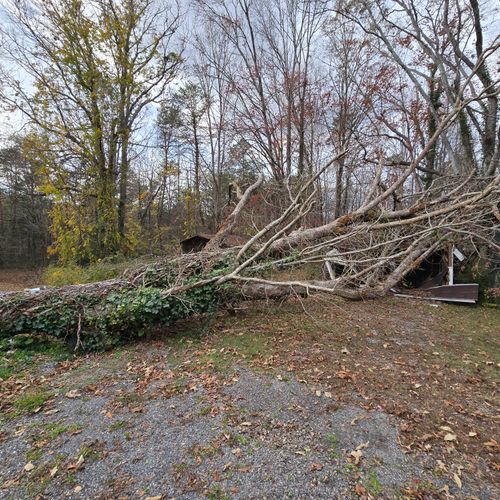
(142, 119)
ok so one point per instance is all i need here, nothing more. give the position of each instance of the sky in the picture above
(12, 122)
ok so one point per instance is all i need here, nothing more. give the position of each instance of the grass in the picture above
(100, 271)
(38, 480)
(31, 401)
(24, 351)
(216, 493)
(372, 484)
(54, 429)
(131, 397)
(5, 372)
(333, 444)
(119, 424)
(34, 454)
(470, 339)
(88, 453)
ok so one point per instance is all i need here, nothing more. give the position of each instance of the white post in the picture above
(450, 265)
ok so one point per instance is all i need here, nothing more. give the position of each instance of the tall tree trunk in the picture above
(124, 169)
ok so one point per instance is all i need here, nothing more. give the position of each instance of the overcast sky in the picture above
(11, 122)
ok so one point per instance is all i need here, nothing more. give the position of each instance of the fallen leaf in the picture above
(446, 428)
(356, 454)
(328, 394)
(10, 482)
(441, 465)
(53, 471)
(492, 443)
(246, 424)
(457, 480)
(157, 497)
(318, 393)
(77, 489)
(236, 451)
(73, 394)
(76, 465)
(29, 467)
(472, 434)
(316, 466)
(362, 446)
(360, 489)
(345, 351)
(450, 437)
(245, 469)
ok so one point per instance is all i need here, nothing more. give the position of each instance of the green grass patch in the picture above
(470, 339)
(105, 269)
(372, 484)
(34, 454)
(119, 424)
(5, 372)
(37, 481)
(27, 352)
(31, 401)
(333, 445)
(51, 431)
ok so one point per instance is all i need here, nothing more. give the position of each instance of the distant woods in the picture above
(140, 116)
(24, 211)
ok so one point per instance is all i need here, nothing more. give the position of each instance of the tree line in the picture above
(139, 115)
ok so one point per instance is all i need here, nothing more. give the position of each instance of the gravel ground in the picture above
(256, 436)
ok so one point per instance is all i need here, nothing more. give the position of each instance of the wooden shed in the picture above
(197, 242)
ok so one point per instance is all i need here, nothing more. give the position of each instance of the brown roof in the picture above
(204, 236)
(232, 240)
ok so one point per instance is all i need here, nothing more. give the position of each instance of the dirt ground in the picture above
(12, 280)
(318, 398)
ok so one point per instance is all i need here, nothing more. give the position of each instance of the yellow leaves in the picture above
(144, 195)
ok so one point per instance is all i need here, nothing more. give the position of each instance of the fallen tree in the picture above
(390, 233)
(377, 248)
